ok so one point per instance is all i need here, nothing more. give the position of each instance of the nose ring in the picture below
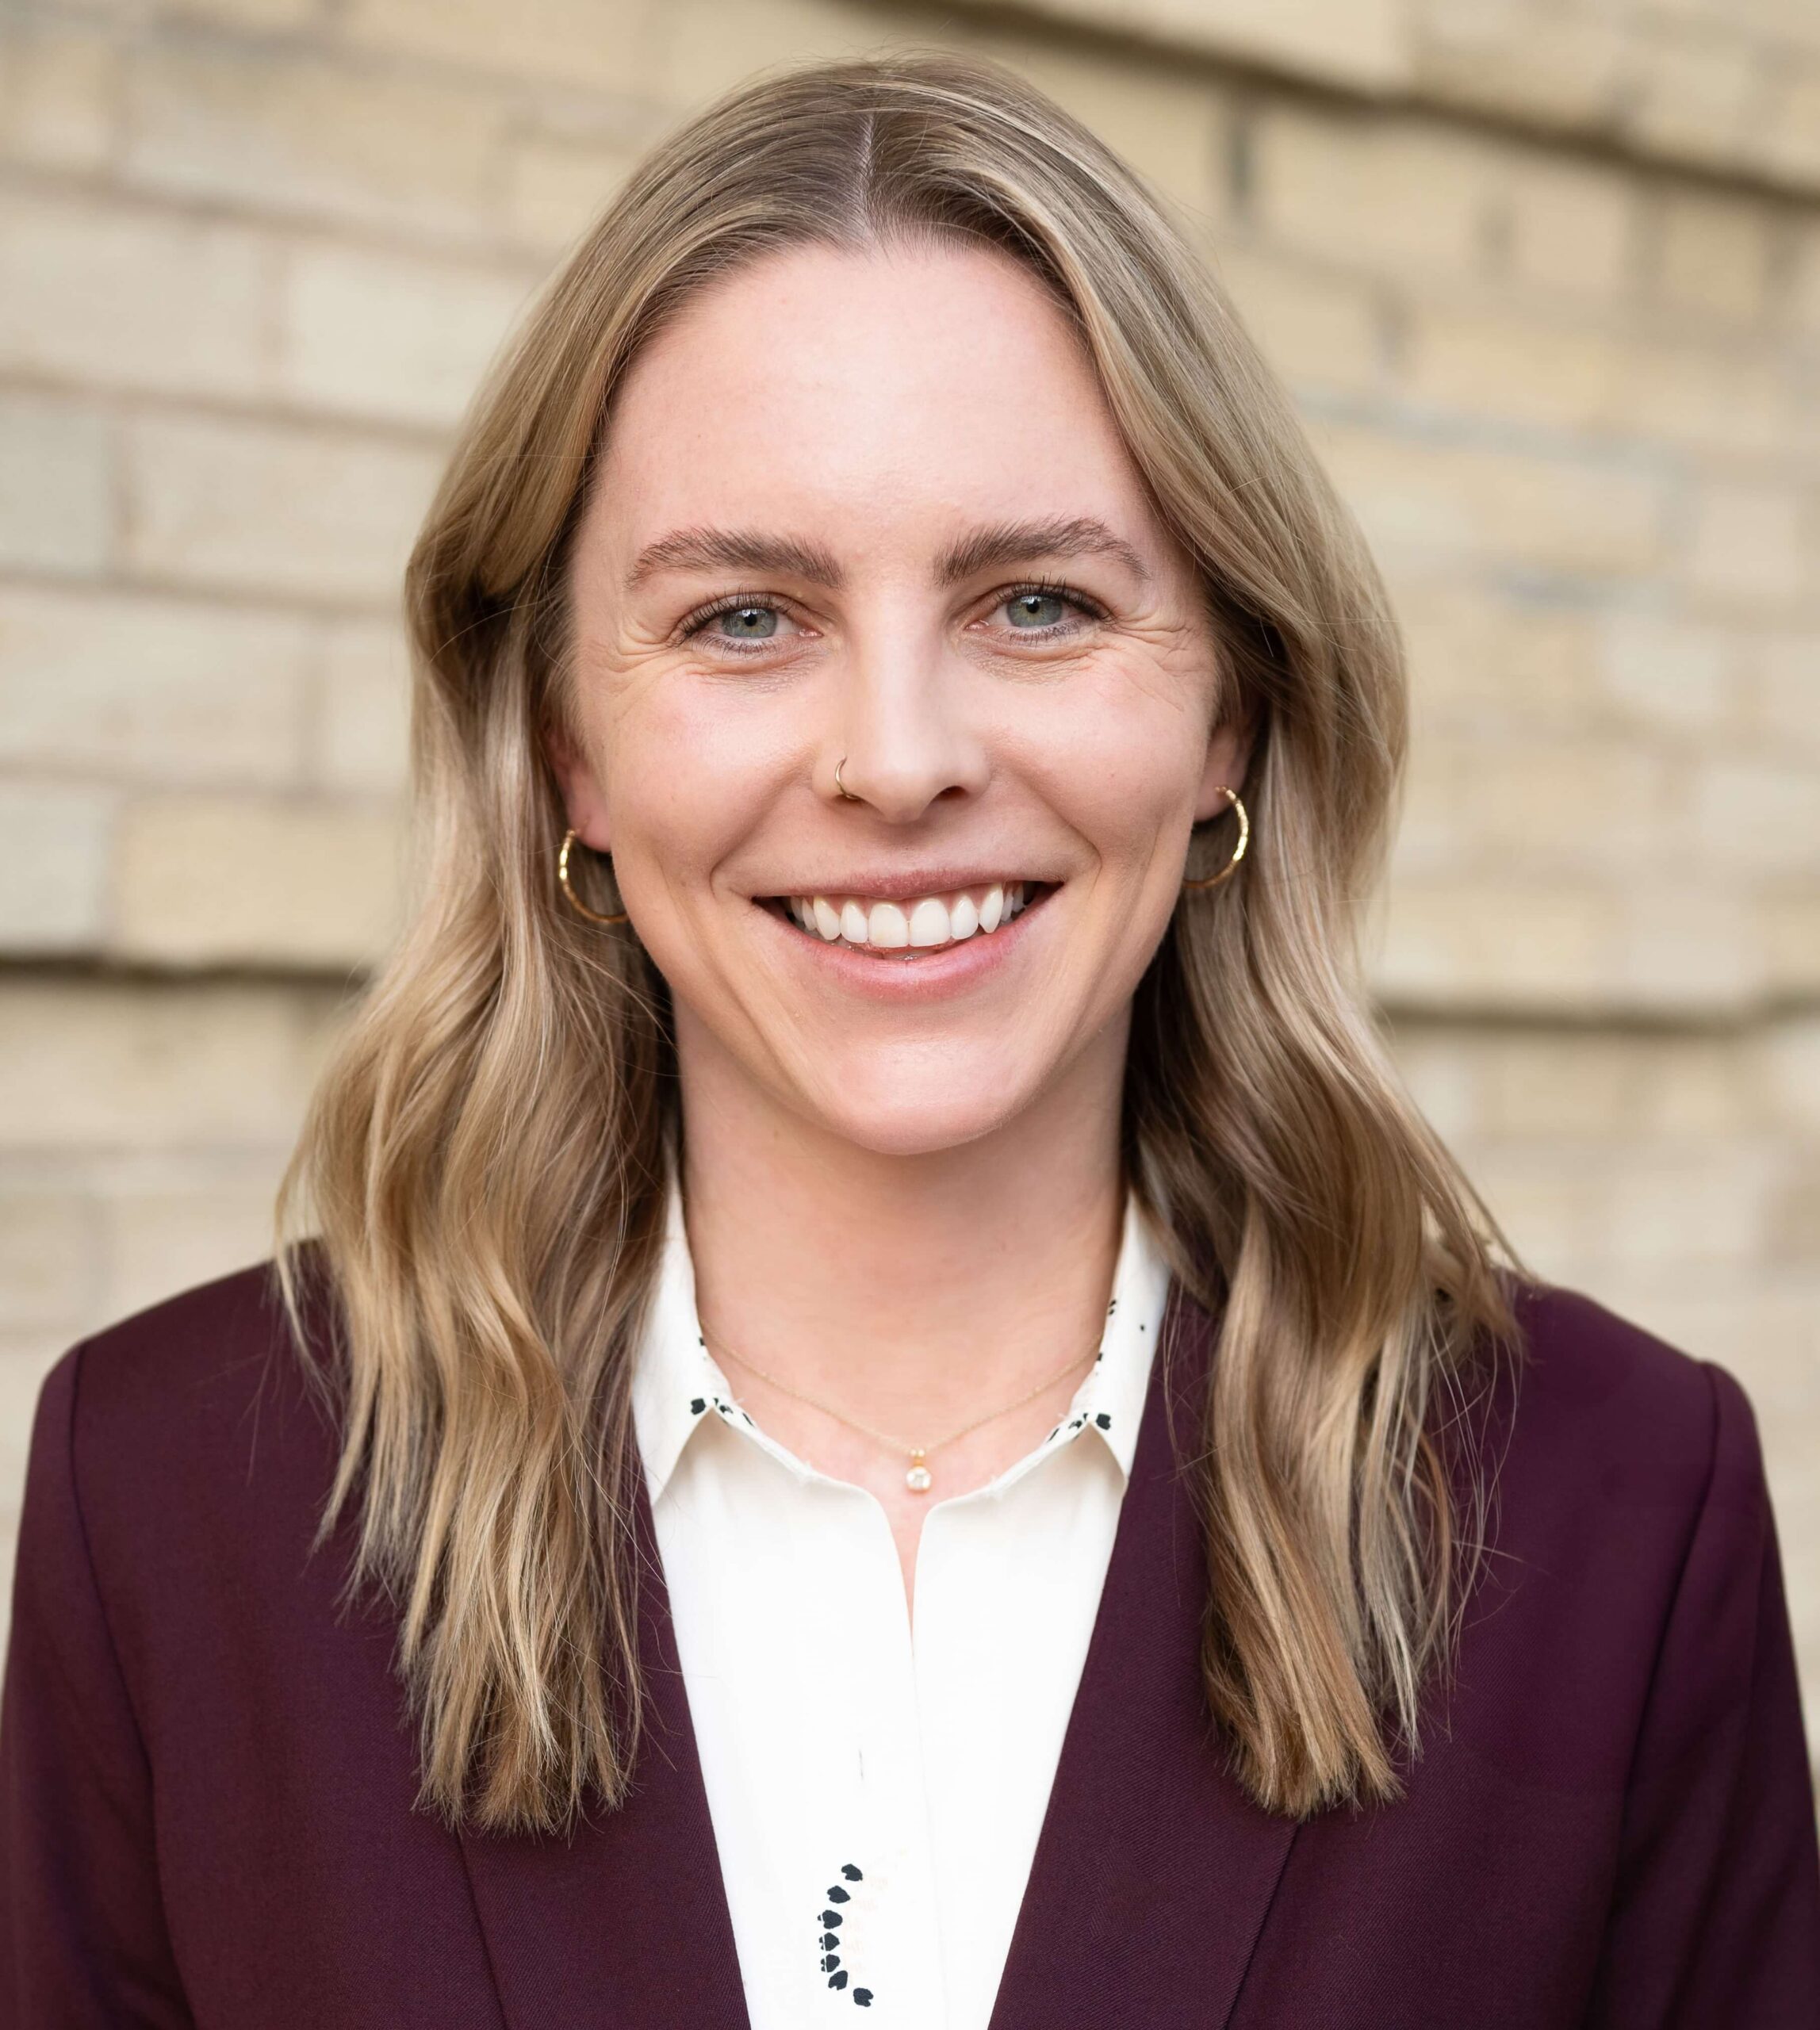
(841, 787)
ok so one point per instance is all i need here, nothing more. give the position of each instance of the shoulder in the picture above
(194, 1408)
(1598, 1398)
(1620, 1471)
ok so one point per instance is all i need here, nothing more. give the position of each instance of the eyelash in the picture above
(1052, 588)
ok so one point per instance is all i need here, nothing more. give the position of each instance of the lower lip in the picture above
(951, 969)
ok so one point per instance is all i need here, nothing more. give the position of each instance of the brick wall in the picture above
(1544, 275)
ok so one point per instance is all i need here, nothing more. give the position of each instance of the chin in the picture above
(918, 1119)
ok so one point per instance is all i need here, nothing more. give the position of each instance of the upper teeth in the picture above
(918, 921)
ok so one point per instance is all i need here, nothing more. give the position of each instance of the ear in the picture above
(1228, 754)
(582, 804)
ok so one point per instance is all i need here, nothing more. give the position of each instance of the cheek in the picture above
(1123, 764)
(688, 775)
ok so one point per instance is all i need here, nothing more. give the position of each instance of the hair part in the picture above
(483, 1174)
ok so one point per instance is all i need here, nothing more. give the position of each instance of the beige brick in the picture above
(1531, 808)
(59, 94)
(1804, 281)
(1747, 544)
(1722, 398)
(1372, 190)
(257, 508)
(224, 881)
(161, 690)
(54, 846)
(557, 188)
(1668, 674)
(46, 1257)
(1318, 329)
(1787, 141)
(258, 15)
(1794, 1211)
(1435, 501)
(1569, 228)
(1551, 809)
(1713, 255)
(273, 129)
(1691, 94)
(1568, 1088)
(1687, 944)
(1483, 363)
(1443, 1073)
(1789, 925)
(1710, 1207)
(1791, 24)
(1348, 42)
(594, 45)
(1787, 677)
(97, 1065)
(1476, 659)
(1532, 947)
(1558, 1217)
(1566, 71)
(1789, 1064)
(130, 299)
(165, 1234)
(385, 335)
(1356, 42)
(1691, 1087)
(1758, 816)
(56, 486)
(366, 709)
(700, 49)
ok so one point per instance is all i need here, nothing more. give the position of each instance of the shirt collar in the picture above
(677, 1384)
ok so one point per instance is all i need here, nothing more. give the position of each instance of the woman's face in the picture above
(870, 510)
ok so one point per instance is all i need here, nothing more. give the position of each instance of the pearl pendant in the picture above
(919, 1480)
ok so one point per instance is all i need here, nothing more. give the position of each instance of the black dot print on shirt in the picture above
(1103, 1420)
(829, 1921)
(698, 1405)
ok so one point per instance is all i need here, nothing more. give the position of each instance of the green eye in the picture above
(748, 623)
(1035, 609)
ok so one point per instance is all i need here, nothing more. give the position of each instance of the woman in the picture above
(874, 1127)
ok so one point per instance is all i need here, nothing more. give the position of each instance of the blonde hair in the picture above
(486, 1162)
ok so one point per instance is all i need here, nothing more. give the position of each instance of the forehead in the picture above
(867, 392)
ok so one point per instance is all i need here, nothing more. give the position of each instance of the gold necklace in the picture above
(918, 1478)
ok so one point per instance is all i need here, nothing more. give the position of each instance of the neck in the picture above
(909, 1290)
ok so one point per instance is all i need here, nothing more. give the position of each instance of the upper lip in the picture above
(902, 884)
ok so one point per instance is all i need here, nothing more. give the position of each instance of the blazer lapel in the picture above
(626, 1923)
(1154, 1871)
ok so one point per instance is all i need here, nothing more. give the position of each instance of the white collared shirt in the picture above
(876, 1790)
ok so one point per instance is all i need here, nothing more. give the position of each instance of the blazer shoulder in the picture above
(1592, 1361)
(1603, 1414)
(152, 1405)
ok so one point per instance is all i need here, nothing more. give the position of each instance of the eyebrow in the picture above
(1002, 543)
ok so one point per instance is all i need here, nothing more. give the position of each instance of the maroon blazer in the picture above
(206, 1778)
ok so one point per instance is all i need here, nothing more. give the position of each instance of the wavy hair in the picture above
(483, 1173)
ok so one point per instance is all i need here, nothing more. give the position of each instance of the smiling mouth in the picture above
(915, 927)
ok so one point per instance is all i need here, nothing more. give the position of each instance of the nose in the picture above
(907, 739)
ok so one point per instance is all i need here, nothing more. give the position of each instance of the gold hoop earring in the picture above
(575, 901)
(841, 787)
(1213, 880)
